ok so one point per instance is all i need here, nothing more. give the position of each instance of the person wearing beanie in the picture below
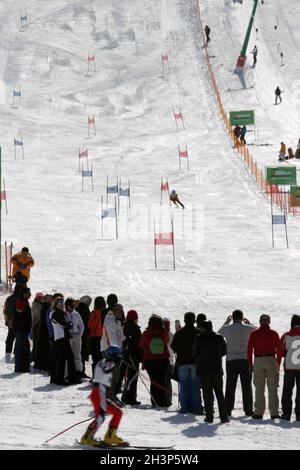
(237, 336)
(209, 349)
(132, 355)
(200, 318)
(22, 263)
(264, 343)
(290, 349)
(189, 382)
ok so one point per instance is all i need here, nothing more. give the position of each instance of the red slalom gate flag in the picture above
(183, 153)
(164, 238)
(3, 195)
(178, 115)
(83, 154)
(91, 58)
(164, 57)
(91, 120)
(164, 186)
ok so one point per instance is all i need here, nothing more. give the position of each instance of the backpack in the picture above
(157, 346)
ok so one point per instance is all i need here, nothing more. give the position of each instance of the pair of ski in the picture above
(103, 446)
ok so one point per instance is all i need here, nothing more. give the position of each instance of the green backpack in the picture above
(157, 346)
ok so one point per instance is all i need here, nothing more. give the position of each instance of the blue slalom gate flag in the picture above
(112, 189)
(17, 93)
(24, 18)
(124, 192)
(278, 219)
(109, 213)
(18, 142)
(87, 173)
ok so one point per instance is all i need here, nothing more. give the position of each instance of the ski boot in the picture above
(89, 440)
(111, 438)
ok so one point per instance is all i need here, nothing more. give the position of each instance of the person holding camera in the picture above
(237, 336)
(62, 348)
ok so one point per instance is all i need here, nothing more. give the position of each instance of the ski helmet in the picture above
(113, 353)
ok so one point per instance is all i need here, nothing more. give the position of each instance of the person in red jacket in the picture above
(290, 344)
(154, 344)
(95, 330)
(265, 344)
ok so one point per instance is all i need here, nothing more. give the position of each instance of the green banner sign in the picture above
(241, 117)
(282, 175)
(295, 193)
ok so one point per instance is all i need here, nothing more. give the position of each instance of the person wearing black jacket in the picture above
(132, 356)
(42, 355)
(189, 382)
(21, 323)
(8, 312)
(209, 348)
(62, 347)
(83, 308)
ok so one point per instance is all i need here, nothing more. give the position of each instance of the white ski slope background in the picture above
(228, 264)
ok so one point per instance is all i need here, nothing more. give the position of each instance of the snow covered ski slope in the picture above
(224, 256)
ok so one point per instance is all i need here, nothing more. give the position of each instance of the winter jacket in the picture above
(278, 91)
(282, 149)
(49, 324)
(146, 344)
(243, 131)
(9, 307)
(290, 348)
(112, 332)
(95, 324)
(263, 341)
(237, 131)
(36, 312)
(84, 312)
(22, 262)
(22, 316)
(131, 349)
(61, 326)
(182, 344)
(209, 348)
(75, 319)
(237, 336)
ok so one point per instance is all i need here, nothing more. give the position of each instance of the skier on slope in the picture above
(174, 198)
(207, 32)
(278, 94)
(254, 53)
(102, 381)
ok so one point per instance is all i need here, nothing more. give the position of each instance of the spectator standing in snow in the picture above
(42, 353)
(83, 308)
(113, 335)
(237, 134)
(36, 308)
(22, 326)
(154, 344)
(8, 312)
(264, 343)
(278, 95)
(254, 53)
(22, 263)
(289, 345)
(76, 333)
(237, 336)
(243, 133)
(207, 32)
(189, 381)
(95, 329)
(282, 151)
(132, 356)
(166, 323)
(62, 347)
(209, 348)
(297, 154)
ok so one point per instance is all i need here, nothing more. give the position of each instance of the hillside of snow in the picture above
(224, 255)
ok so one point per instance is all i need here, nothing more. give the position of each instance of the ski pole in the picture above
(65, 430)
(132, 366)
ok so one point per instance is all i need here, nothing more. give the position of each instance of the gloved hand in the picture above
(22, 266)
